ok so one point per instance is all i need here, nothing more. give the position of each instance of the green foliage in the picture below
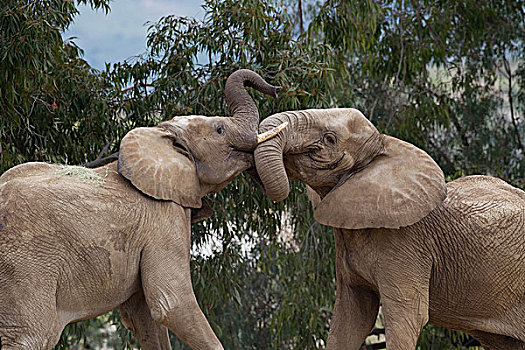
(52, 104)
(448, 76)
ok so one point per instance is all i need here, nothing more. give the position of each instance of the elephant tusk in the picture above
(271, 133)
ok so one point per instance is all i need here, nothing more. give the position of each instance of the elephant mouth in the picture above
(322, 166)
(238, 154)
(234, 150)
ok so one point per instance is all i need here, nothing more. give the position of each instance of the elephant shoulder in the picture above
(26, 170)
(487, 198)
(17, 183)
(52, 187)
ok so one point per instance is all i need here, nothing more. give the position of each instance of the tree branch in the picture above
(300, 14)
(105, 149)
(455, 121)
(102, 161)
(508, 70)
(135, 86)
(443, 155)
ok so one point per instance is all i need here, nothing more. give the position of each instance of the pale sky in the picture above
(121, 33)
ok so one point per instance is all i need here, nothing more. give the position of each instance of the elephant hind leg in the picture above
(136, 317)
(491, 341)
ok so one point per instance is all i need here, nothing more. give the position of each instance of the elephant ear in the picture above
(149, 160)
(398, 188)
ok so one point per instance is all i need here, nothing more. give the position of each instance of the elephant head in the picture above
(187, 157)
(365, 179)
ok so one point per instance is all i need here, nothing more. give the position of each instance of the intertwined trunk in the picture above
(244, 110)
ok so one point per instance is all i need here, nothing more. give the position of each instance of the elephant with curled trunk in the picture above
(76, 243)
(452, 254)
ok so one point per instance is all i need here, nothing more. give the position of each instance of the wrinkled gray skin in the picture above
(450, 254)
(76, 243)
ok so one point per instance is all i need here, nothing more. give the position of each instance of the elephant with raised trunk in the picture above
(76, 243)
(452, 254)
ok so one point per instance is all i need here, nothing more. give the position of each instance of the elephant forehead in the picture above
(345, 121)
(186, 121)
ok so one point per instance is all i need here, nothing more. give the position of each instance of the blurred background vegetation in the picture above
(448, 76)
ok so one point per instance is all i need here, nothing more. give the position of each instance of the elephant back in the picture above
(490, 200)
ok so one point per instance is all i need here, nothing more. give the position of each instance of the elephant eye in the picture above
(220, 130)
(329, 139)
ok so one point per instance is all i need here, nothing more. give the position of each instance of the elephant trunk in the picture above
(244, 110)
(269, 156)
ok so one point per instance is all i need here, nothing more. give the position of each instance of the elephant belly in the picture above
(480, 301)
(92, 289)
(466, 319)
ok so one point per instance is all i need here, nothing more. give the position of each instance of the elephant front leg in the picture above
(405, 311)
(136, 317)
(355, 313)
(166, 281)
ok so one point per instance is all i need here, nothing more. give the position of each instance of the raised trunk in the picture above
(269, 156)
(244, 110)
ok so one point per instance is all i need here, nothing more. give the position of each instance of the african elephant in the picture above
(452, 254)
(76, 242)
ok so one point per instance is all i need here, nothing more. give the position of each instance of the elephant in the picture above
(77, 242)
(452, 254)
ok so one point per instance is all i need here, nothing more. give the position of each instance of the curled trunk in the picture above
(244, 110)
